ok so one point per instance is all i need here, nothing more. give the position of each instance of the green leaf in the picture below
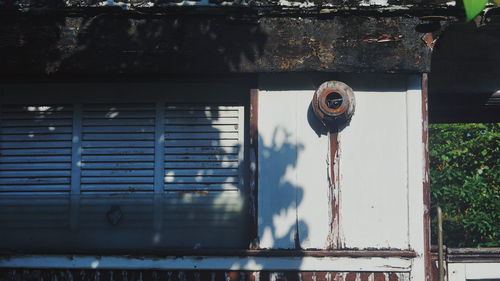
(474, 7)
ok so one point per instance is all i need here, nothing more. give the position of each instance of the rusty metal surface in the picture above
(156, 275)
(111, 43)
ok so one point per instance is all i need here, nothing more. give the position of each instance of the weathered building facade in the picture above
(177, 140)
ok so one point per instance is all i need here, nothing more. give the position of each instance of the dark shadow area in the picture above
(463, 83)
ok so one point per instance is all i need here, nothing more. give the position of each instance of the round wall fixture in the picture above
(333, 103)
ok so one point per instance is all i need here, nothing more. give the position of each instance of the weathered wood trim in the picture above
(308, 263)
(426, 180)
(253, 167)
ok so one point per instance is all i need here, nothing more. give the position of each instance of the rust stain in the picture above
(334, 190)
(429, 40)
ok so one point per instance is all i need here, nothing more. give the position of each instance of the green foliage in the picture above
(474, 7)
(465, 180)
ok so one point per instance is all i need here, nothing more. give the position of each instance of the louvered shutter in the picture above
(203, 147)
(117, 147)
(35, 148)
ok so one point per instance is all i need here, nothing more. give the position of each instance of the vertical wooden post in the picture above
(253, 167)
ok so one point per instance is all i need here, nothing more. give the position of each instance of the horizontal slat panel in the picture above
(200, 165)
(117, 165)
(117, 180)
(34, 188)
(34, 159)
(45, 151)
(113, 151)
(198, 121)
(36, 108)
(202, 128)
(195, 107)
(117, 158)
(34, 174)
(37, 123)
(118, 136)
(36, 137)
(200, 172)
(201, 150)
(116, 187)
(36, 130)
(118, 129)
(124, 144)
(36, 144)
(117, 107)
(34, 166)
(119, 114)
(37, 115)
(201, 187)
(202, 135)
(118, 122)
(30, 181)
(186, 157)
(201, 113)
(201, 142)
(200, 179)
(117, 173)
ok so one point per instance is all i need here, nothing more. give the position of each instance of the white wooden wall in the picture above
(380, 166)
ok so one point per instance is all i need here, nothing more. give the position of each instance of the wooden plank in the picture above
(201, 165)
(204, 158)
(34, 159)
(118, 129)
(200, 121)
(22, 146)
(37, 123)
(202, 113)
(201, 187)
(116, 173)
(34, 166)
(35, 130)
(118, 136)
(202, 135)
(202, 128)
(33, 181)
(202, 172)
(177, 143)
(28, 152)
(200, 107)
(115, 143)
(123, 180)
(118, 114)
(121, 151)
(118, 107)
(201, 150)
(115, 165)
(30, 115)
(15, 108)
(117, 158)
(35, 174)
(118, 122)
(32, 188)
(116, 187)
(35, 137)
(200, 179)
